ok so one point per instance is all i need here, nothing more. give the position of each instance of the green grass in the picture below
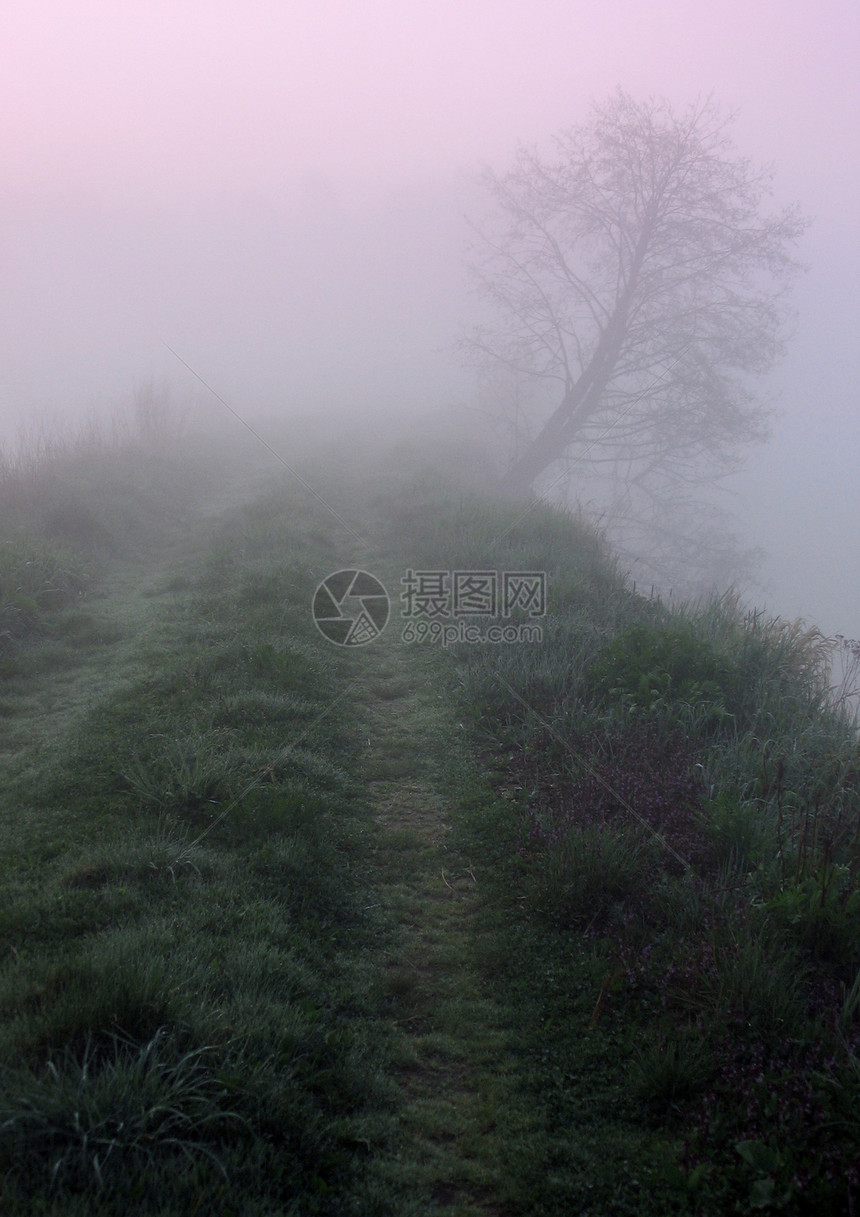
(675, 875)
(187, 1016)
(555, 928)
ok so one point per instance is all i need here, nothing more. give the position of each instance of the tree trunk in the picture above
(583, 398)
(577, 406)
(541, 452)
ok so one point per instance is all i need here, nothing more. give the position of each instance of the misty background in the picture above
(279, 194)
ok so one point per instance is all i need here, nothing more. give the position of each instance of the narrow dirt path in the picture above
(460, 1116)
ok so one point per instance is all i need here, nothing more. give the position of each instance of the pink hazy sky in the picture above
(152, 154)
(167, 99)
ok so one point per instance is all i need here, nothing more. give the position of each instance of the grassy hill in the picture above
(567, 925)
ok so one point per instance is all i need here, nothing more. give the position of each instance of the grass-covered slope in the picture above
(186, 1019)
(497, 930)
(675, 849)
(63, 519)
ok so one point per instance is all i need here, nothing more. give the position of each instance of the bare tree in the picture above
(637, 276)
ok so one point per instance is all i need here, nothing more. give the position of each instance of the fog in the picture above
(276, 194)
(280, 307)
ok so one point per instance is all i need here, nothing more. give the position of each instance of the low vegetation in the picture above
(562, 926)
(676, 863)
(188, 1020)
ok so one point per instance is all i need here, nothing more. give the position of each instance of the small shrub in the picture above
(822, 914)
(671, 1070)
(586, 871)
(739, 834)
(757, 981)
(647, 667)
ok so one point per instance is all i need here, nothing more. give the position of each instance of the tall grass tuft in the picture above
(114, 1110)
(587, 873)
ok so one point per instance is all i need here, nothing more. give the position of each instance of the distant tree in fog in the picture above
(639, 282)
